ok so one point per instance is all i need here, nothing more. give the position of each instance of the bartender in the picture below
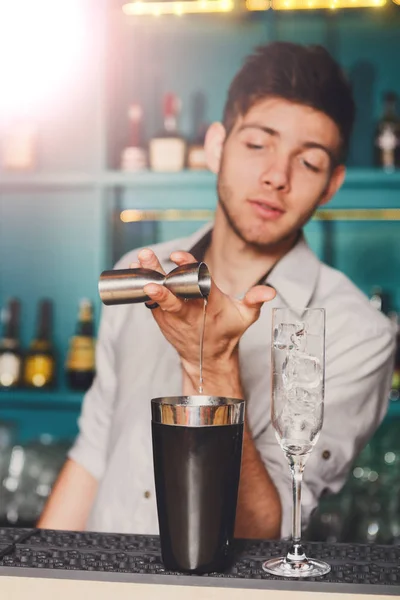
(279, 154)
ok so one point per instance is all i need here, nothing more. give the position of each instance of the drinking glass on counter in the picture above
(297, 410)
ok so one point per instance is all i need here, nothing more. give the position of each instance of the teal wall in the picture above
(199, 53)
(55, 238)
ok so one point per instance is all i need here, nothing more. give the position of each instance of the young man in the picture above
(279, 154)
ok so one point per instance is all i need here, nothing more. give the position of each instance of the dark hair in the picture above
(304, 74)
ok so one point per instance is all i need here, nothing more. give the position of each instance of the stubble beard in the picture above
(225, 194)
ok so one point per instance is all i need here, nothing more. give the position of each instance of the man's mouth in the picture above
(267, 210)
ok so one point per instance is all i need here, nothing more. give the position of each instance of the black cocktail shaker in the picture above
(197, 449)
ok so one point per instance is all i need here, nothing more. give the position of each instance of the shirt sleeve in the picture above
(90, 447)
(359, 366)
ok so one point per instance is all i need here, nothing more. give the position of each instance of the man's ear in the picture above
(213, 144)
(335, 183)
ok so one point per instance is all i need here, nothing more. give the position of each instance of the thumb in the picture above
(257, 295)
(182, 258)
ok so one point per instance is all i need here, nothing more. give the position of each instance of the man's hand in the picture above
(180, 322)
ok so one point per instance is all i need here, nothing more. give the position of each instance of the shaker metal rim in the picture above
(197, 411)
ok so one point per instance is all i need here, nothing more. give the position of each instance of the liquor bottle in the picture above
(196, 159)
(40, 361)
(133, 156)
(387, 137)
(19, 147)
(80, 365)
(379, 299)
(395, 391)
(167, 150)
(10, 348)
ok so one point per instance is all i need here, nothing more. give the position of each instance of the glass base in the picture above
(310, 567)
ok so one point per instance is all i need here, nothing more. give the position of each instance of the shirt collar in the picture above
(294, 276)
(198, 240)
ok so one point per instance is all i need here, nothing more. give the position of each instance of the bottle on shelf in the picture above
(40, 361)
(11, 357)
(133, 157)
(387, 137)
(196, 159)
(167, 150)
(80, 364)
(395, 391)
(379, 299)
(19, 145)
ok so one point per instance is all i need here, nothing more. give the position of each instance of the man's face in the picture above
(276, 167)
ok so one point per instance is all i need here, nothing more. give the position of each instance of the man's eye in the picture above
(254, 146)
(309, 166)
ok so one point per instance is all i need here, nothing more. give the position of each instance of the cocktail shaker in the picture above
(197, 451)
(125, 286)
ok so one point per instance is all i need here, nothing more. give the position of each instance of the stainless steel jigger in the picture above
(125, 286)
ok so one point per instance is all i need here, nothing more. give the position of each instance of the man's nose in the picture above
(276, 173)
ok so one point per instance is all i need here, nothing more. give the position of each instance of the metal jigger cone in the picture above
(125, 286)
(189, 281)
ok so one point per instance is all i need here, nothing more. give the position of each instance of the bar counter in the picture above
(60, 565)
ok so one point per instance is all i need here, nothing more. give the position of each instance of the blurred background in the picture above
(103, 109)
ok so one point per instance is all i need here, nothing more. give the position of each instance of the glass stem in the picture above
(296, 552)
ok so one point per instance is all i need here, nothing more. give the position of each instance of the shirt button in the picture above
(326, 454)
(147, 494)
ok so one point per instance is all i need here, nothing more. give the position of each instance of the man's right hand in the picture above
(180, 322)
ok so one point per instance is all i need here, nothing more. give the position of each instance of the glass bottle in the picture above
(40, 360)
(80, 365)
(11, 356)
(387, 137)
(19, 145)
(167, 149)
(133, 157)
(379, 299)
(395, 391)
(196, 159)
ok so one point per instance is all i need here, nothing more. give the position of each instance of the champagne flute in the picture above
(297, 410)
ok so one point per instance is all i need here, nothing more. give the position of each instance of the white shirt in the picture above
(135, 363)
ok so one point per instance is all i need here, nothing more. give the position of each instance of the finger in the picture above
(163, 297)
(148, 260)
(257, 295)
(134, 265)
(182, 258)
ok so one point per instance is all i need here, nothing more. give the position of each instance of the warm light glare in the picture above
(257, 4)
(130, 216)
(171, 214)
(40, 46)
(139, 7)
(177, 8)
(329, 4)
(396, 1)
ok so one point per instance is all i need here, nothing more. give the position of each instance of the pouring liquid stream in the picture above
(203, 325)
